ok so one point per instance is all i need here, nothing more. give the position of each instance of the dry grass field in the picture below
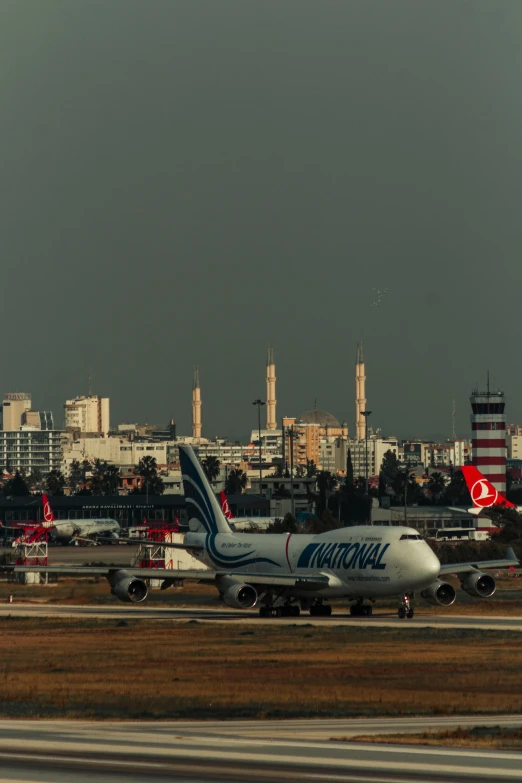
(156, 670)
(488, 738)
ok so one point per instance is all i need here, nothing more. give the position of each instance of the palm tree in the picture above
(437, 485)
(211, 467)
(236, 482)
(55, 482)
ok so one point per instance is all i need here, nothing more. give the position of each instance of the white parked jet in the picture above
(285, 573)
(68, 529)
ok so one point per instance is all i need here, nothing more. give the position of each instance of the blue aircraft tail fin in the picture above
(199, 496)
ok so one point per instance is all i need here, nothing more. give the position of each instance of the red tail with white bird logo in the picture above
(483, 493)
(225, 507)
(49, 518)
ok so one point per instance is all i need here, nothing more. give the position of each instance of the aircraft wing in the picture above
(478, 565)
(309, 582)
(138, 541)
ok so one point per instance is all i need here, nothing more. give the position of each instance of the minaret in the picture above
(196, 405)
(271, 421)
(360, 399)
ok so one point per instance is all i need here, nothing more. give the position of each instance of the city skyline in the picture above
(192, 204)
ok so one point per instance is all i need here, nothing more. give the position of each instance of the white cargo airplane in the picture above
(285, 573)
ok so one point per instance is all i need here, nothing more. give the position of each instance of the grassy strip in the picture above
(143, 669)
(485, 737)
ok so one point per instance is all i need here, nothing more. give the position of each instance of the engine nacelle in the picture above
(479, 585)
(439, 594)
(240, 596)
(130, 589)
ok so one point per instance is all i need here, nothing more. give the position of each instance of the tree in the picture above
(55, 482)
(389, 469)
(105, 478)
(77, 478)
(286, 525)
(349, 469)
(17, 486)
(311, 468)
(152, 482)
(236, 482)
(279, 470)
(34, 480)
(326, 483)
(456, 492)
(211, 467)
(436, 485)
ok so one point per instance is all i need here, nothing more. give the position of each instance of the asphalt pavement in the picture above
(243, 751)
(383, 619)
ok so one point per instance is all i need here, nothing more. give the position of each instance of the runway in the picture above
(241, 751)
(383, 619)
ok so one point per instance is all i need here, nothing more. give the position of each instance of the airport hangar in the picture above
(128, 510)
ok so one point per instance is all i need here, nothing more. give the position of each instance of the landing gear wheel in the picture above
(352, 610)
(367, 611)
(401, 612)
(327, 610)
(410, 613)
(277, 612)
(296, 611)
(265, 611)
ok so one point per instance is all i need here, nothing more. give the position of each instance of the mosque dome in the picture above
(317, 416)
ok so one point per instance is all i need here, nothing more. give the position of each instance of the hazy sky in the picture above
(185, 181)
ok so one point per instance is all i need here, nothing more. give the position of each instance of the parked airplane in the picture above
(483, 493)
(68, 529)
(243, 523)
(285, 573)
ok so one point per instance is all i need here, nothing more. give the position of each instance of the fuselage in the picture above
(360, 561)
(68, 528)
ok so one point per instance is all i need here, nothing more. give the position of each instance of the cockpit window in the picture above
(411, 537)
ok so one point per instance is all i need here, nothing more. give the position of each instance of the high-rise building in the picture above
(88, 415)
(488, 423)
(271, 421)
(196, 405)
(30, 449)
(360, 392)
(14, 406)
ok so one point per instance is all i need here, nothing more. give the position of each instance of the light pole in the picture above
(259, 404)
(366, 414)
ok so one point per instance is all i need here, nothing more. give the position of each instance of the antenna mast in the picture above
(454, 420)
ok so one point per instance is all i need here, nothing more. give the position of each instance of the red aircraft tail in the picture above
(225, 507)
(49, 518)
(483, 493)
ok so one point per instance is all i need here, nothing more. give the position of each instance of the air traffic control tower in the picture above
(488, 423)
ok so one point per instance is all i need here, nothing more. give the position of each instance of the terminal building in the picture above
(128, 510)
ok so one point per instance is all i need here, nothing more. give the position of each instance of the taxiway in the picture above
(382, 619)
(242, 751)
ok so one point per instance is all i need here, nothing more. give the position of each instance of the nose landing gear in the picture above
(406, 608)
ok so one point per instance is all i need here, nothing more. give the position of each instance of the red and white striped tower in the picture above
(488, 423)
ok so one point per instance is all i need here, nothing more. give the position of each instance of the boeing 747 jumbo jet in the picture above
(283, 574)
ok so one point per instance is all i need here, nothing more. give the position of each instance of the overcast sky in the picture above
(186, 181)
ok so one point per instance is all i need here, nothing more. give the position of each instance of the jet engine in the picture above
(130, 589)
(439, 594)
(240, 596)
(479, 584)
